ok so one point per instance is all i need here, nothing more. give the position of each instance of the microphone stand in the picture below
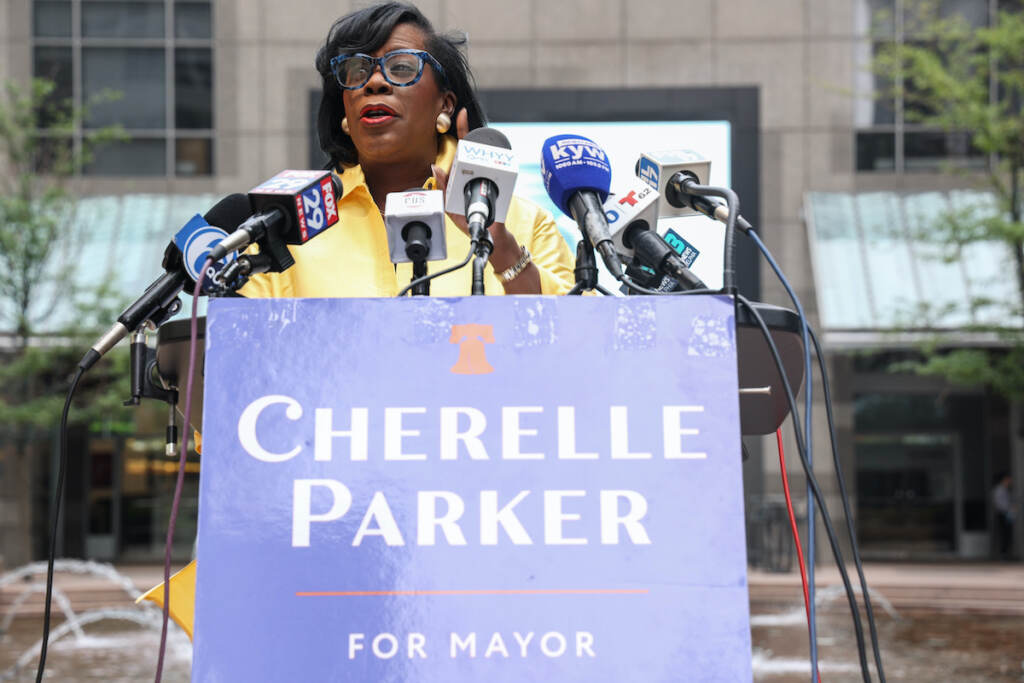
(479, 261)
(586, 269)
(419, 270)
(141, 366)
(417, 248)
(484, 246)
(235, 274)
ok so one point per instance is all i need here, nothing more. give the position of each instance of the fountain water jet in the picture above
(146, 614)
(58, 596)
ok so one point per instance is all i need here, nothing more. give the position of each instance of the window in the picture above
(887, 139)
(156, 56)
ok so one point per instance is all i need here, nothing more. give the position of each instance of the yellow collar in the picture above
(352, 176)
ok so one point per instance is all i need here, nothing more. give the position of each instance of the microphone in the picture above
(627, 209)
(665, 170)
(485, 171)
(182, 264)
(293, 207)
(655, 253)
(713, 208)
(633, 214)
(414, 220)
(577, 177)
(415, 224)
(190, 246)
(646, 277)
(682, 177)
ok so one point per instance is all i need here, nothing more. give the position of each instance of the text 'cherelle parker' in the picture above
(459, 518)
(463, 430)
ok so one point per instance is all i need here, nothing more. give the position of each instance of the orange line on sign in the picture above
(485, 591)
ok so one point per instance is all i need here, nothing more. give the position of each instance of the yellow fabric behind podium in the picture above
(183, 597)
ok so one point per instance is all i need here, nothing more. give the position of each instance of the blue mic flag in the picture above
(571, 164)
(194, 241)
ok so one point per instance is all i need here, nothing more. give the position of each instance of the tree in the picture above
(37, 158)
(35, 205)
(969, 82)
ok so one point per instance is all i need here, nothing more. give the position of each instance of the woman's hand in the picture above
(506, 251)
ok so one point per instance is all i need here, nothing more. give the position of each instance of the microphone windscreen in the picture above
(571, 164)
(488, 136)
(338, 189)
(229, 213)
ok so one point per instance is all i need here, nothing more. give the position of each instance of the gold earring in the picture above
(344, 125)
(444, 123)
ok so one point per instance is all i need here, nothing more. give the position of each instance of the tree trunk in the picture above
(1015, 215)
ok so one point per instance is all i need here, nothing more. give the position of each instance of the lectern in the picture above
(476, 489)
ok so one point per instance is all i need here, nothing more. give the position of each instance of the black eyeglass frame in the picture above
(423, 55)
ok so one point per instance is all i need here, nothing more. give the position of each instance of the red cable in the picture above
(796, 534)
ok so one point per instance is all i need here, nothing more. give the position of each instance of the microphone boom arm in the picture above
(690, 186)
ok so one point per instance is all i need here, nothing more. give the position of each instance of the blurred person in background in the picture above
(1003, 504)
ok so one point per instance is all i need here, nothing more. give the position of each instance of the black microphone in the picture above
(651, 250)
(183, 258)
(632, 213)
(679, 194)
(293, 207)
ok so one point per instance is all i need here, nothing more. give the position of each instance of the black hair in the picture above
(367, 30)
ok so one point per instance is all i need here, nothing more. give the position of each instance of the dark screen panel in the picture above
(739, 106)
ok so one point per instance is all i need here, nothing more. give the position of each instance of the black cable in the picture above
(58, 495)
(816, 490)
(846, 508)
(633, 285)
(843, 495)
(808, 425)
(732, 203)
(428, 278)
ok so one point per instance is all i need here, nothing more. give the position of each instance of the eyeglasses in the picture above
(399, 67)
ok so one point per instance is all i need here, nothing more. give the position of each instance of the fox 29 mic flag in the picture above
(571, 164)
(308, 198)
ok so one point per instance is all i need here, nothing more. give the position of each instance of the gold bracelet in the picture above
(513, 271)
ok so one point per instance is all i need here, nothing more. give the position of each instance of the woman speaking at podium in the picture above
(397, 96)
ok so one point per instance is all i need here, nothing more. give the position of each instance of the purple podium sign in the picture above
(478, 489)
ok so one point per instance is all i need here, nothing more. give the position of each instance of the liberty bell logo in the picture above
(472, 352)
